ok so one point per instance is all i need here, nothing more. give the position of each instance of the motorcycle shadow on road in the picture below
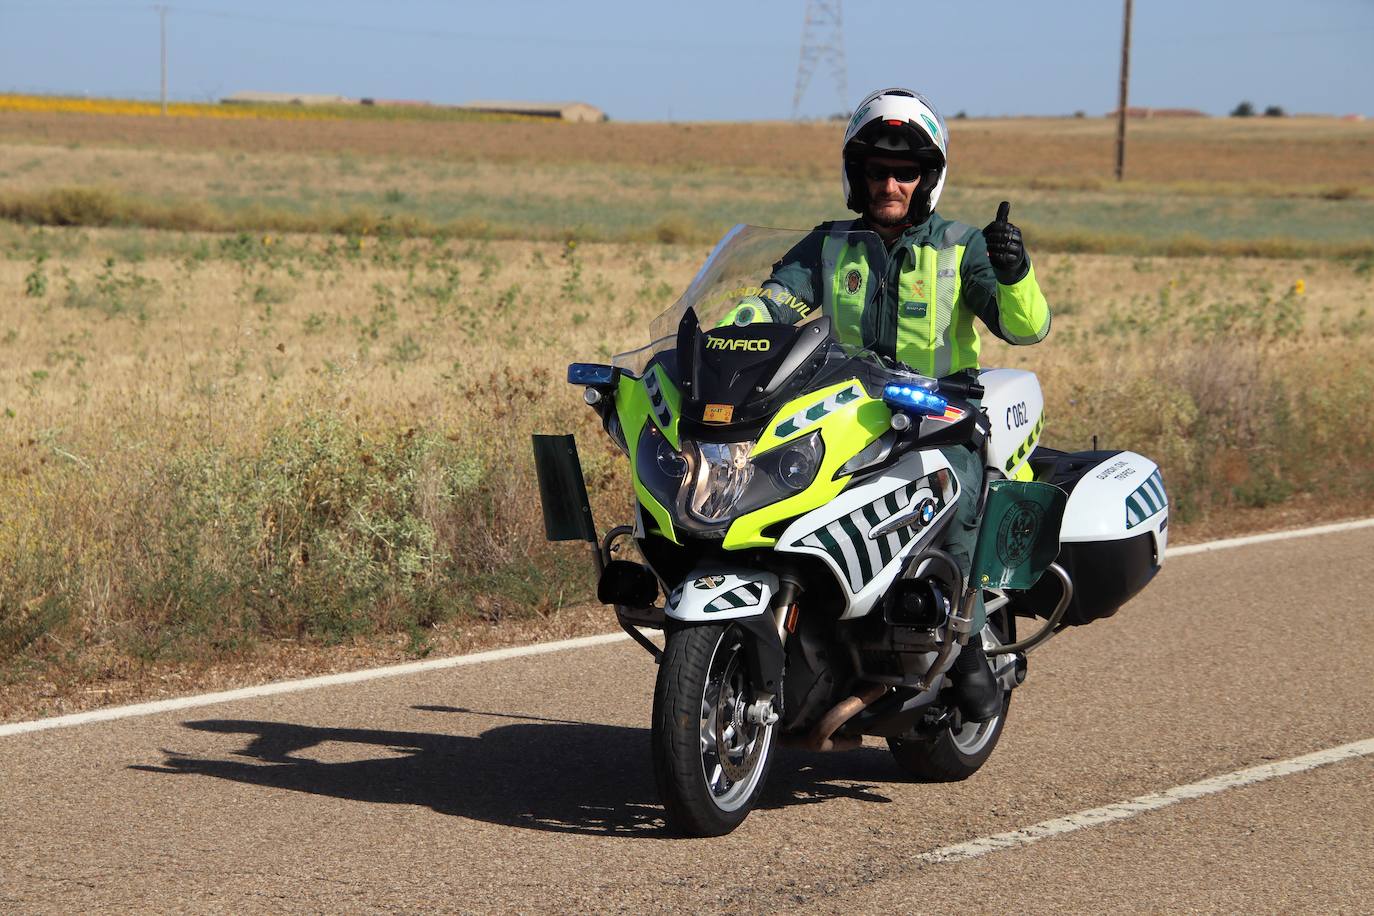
(540, 774)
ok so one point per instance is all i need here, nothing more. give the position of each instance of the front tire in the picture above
(709, 763)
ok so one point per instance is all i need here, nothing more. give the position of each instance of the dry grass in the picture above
(418, 196)
(1272, 152)
(215, 441)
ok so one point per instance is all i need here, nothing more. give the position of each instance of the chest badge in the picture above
(913, 309)
(853, 280)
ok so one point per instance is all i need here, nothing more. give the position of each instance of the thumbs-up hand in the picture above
(1005, 248)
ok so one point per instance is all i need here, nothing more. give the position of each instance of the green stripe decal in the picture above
(1147, 499)
(856, 540)
(831, 547)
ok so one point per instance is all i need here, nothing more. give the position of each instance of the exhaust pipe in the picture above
(820, 738)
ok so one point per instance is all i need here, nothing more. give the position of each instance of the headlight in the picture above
(729, 482)
(669, 461)
(722, 475)
(709, 484)
(797, 466)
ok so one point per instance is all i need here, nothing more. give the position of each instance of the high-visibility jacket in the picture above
(938, 278)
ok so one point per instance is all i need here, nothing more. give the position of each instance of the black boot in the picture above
(977, 692)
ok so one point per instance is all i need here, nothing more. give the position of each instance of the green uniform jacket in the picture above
(938, 278)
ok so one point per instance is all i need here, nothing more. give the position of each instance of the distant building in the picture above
(397, 103)
(285, 98)
(563, 111)
(1133, 112)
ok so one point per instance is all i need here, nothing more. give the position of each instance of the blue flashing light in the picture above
(914, 400)
(591, 374)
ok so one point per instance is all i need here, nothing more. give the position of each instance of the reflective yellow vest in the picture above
(935, 331)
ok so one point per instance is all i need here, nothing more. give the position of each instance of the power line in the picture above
(822, 40)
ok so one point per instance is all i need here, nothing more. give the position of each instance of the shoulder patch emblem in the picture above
(853, 280)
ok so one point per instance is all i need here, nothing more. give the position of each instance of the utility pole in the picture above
(162, 15)
(822, 39)
(1121, 103)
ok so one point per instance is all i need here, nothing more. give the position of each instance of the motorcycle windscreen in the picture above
(1019, 537)
(756, 275)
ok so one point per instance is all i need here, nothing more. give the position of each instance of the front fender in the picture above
(717, 594)
(711, 594)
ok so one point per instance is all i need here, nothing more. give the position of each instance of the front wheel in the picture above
(709, 761)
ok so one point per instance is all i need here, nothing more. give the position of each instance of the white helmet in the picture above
(902, 124)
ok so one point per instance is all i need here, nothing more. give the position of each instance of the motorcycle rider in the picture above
(939, 275)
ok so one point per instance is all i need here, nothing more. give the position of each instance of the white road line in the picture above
(310, 683)
(1121, 811)
(354, 677)
(1265, 538)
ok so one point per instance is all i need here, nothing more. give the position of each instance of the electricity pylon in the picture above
(822, 41)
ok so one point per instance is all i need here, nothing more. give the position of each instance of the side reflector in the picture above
(914, 400)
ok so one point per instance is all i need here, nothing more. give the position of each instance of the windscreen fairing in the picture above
(771, 313)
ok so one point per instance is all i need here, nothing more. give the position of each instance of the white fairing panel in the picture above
(1122, 497)
(1016, 409)
(721, 593)
(839, 533)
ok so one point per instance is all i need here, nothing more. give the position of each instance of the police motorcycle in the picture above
(790, 499)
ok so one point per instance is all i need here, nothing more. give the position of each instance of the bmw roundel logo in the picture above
(927, 511)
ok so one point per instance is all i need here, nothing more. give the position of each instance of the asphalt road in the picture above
(524, 785)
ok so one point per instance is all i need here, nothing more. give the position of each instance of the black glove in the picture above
(1005, 250)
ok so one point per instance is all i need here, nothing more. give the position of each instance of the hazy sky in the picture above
(706, 60)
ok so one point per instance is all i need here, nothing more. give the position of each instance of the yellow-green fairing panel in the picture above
(634, 407)
(665, 403)
(848, 420)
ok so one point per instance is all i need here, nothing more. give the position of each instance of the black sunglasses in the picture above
(904, 174)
